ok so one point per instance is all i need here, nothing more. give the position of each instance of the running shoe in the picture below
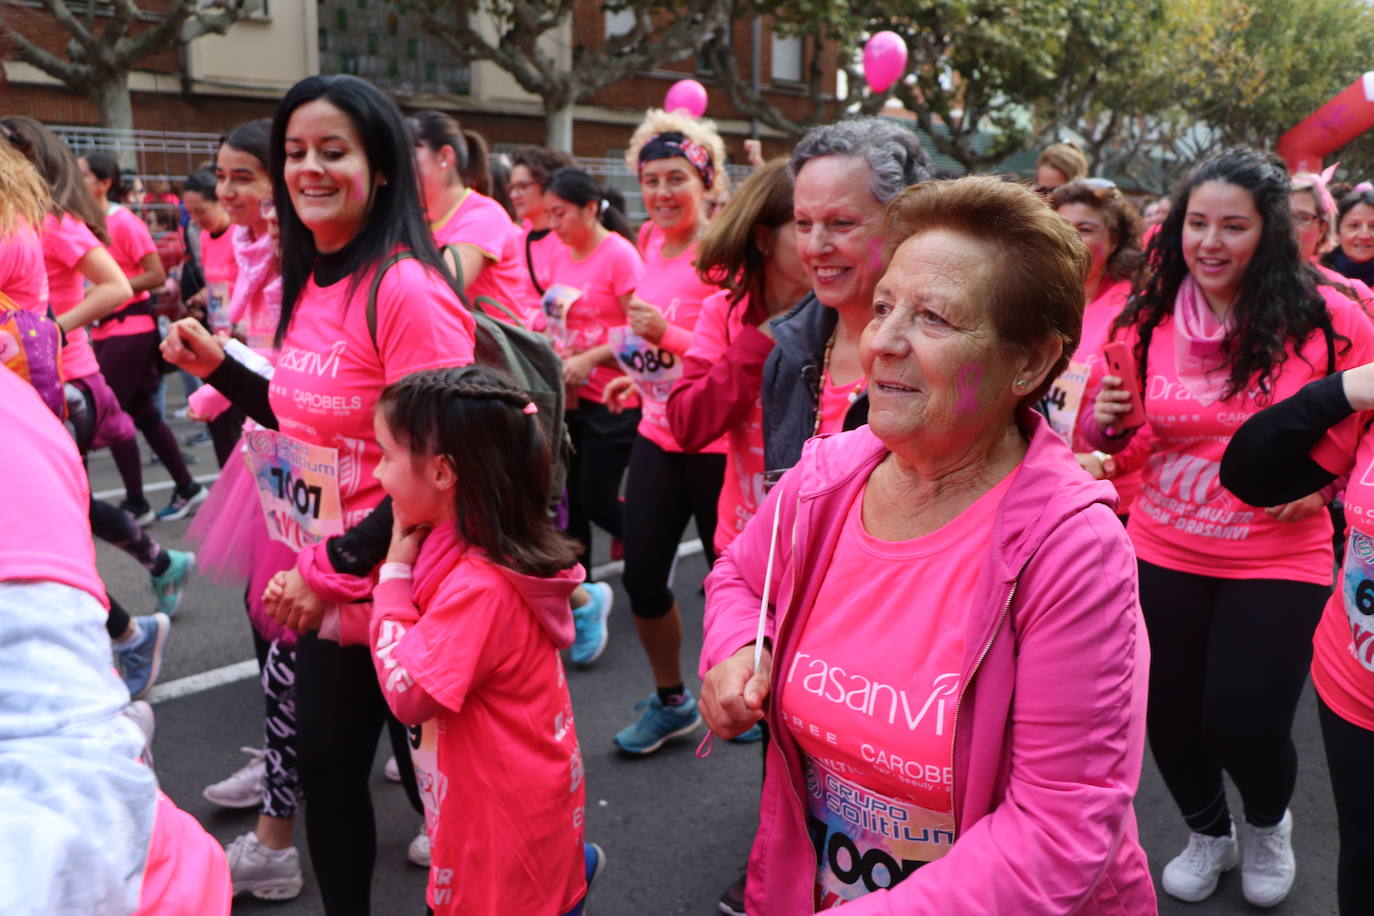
(1267, 866)
(392, 770)
(589, 621)
(731, 902)
(183, 503)
(244, 788)
(417, 853)
(1192, 875)
(168, 587)
(594, 862)
(754, 734)
(140, 659)
(658, 724)
(268, 874)
(202, 437)
(139, 511)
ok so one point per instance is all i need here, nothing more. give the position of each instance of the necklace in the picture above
(855, 391)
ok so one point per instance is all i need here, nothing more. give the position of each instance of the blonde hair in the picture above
(23, 193)
(1065, 157)
(1326, 207)
(699, 131)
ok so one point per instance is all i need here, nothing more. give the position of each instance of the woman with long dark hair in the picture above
(1228, 321)
(366, 300)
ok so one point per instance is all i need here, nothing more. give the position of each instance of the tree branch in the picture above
(69, 73)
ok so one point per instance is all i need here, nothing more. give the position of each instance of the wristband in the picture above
(394, 571)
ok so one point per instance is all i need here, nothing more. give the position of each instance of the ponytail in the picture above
(579, 189)
(476, 169)
(106, 168)
(437, 130)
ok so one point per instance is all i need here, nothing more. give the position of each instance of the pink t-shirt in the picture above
(1183, 519)
(22, 276)
(876, 726)
(582, 303)
(130, 243)
(330, 374)
(220, 270)
(45, 481)
(836, 401)
(65, 242)
(481, 222)
(671, 284)
(542, 253)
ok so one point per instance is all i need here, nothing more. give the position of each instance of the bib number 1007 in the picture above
(298, 486)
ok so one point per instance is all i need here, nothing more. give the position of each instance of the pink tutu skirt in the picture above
(233, 548)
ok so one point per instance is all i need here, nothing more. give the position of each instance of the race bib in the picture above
(557, 300)
(217, 307)
(298, 487)
(1357, 589)
(654, 369)
(1062, 401)
(866, 841)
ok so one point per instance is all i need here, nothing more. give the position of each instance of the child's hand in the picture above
(405, 541)
(619, 391)
(291, 602)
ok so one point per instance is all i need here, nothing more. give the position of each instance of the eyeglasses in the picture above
(520, 187)
(1308, 219)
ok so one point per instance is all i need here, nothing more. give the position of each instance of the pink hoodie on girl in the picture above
(1049, 726)
(468, 653)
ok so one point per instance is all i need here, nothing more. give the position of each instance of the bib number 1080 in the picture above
(297, 492)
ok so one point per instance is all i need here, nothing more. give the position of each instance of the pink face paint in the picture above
(967, 385)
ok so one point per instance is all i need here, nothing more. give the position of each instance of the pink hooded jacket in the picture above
(1049, 728)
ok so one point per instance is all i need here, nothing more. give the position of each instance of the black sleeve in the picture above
(245, 388)
(360, 549)
(1268, 460)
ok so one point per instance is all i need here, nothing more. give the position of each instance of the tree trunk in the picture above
(116, 107)
(558, 123)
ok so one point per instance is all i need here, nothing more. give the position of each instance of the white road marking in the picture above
(248, 668)
(154, 487)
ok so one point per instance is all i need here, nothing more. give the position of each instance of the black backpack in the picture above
(525, 355)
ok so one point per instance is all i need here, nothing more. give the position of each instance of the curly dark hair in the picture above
(1278, 303)
(1120, 219)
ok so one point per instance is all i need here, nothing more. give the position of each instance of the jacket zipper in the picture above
(954, 728)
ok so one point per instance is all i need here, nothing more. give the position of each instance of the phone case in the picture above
(1121, 363)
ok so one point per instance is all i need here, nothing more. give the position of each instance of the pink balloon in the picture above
(884, 60)
(688, 96)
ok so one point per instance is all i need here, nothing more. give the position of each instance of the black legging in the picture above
(129, 364)
(1228, 659)
(601, 449)
(662, 491)
(1349, 749)
(225, 430)
(339, 715)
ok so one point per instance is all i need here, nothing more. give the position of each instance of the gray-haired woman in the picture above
(845, 173)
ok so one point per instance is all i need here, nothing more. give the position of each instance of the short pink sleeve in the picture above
(626, 269)
(130, 240)
(420, 322)
(67, 240)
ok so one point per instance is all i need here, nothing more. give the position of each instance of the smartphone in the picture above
(1121, 363)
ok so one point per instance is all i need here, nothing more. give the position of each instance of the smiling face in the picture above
(1088, 221)
(420, 487)
(1221, 231)
(839, 230)
(938, 375)
(1357, 233)
(673, 195)
(241, 183)
(1307, 222)
(327, 173)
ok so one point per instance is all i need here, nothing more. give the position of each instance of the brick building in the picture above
(221, 80)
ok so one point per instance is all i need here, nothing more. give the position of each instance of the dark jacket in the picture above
(792, 384)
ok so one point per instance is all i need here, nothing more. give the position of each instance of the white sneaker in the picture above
(244, 788)
(418, 851)
(267, 874)
(1267, 869)
(392, 770)
(1193, 873)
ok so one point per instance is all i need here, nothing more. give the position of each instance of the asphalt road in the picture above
(676, 829)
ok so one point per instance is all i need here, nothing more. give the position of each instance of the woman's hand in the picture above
(1113, 402)
(576, 369)
(1100, 466)
(291, 602)
(733, 693)
(619, 390)
(189, 346)
(405, 540)
(1298, 509)
(646, 320)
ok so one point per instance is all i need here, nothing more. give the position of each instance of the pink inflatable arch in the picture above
(1330, 127)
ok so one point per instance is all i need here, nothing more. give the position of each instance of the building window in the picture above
(787, 58)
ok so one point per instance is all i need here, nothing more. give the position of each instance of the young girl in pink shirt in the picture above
(1229, 321)
(471, 612)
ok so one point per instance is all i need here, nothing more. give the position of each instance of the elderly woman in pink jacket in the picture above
(943, 630)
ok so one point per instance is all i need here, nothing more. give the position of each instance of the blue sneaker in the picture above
(658, 724)
(183, 504)
(590, 622)
(140, 659)
(168, 587)
(595, 862)
(755, 733)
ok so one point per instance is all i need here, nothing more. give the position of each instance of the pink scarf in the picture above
(1199, 355)
(256, 298)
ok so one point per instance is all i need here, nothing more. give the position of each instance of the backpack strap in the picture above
(497, 309)
(529, 256)
(1330, 334)
(375, 288)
